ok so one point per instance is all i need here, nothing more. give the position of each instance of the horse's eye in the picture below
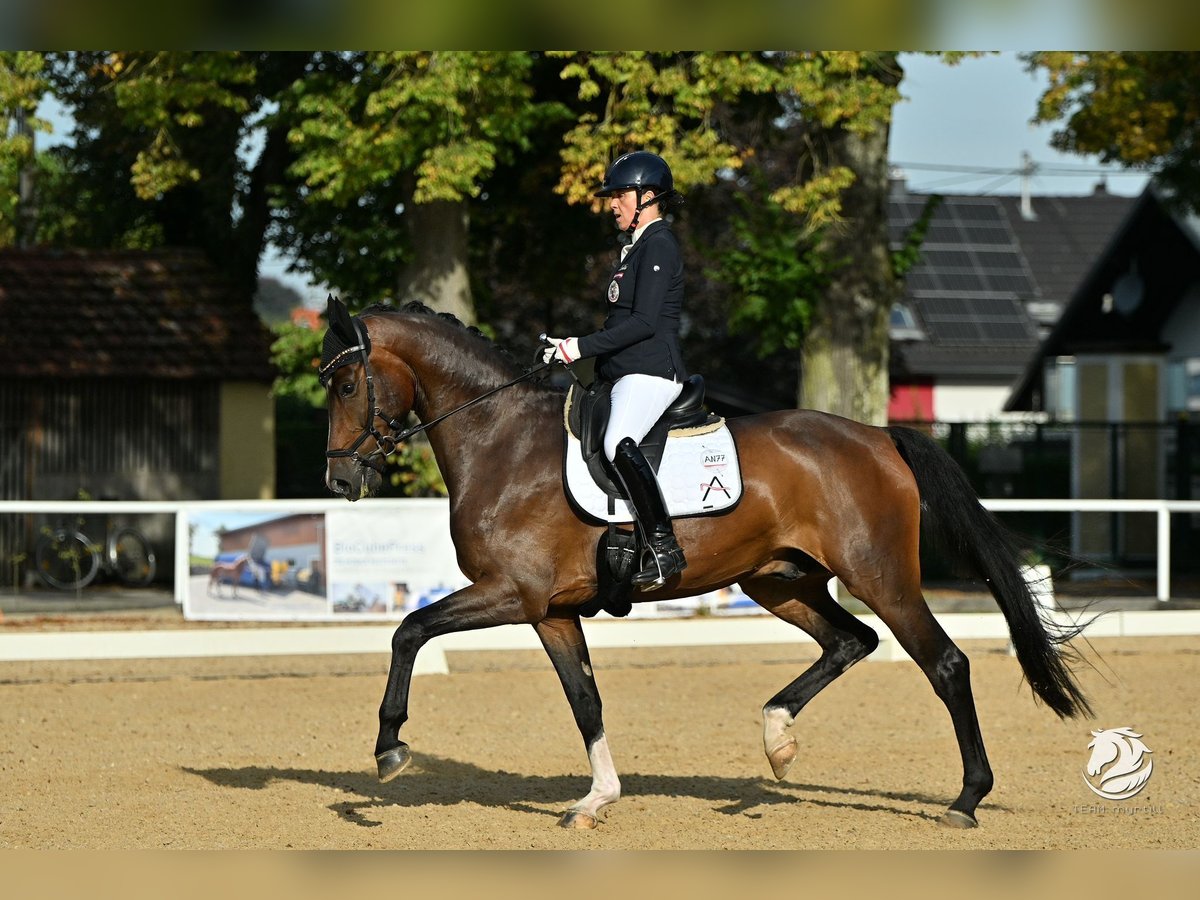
(348, 389)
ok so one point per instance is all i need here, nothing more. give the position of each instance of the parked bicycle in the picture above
(65, 558)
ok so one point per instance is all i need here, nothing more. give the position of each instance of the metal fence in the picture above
(1003, 460)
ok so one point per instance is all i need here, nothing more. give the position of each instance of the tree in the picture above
(22, 83)
(161, 145)
(404, 140)
(369, 166)
(1137, 108)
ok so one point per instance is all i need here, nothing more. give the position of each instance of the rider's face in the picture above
(624, 206)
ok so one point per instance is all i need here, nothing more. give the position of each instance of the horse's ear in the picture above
(339, 320)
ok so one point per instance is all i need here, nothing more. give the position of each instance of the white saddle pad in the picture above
(699, 475)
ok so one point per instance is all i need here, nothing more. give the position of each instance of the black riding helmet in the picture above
(640, 171)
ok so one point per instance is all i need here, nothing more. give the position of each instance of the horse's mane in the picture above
(416, 307)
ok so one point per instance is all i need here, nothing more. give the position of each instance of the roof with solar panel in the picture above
(992, 277)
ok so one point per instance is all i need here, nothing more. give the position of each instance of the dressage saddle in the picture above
(588, 412)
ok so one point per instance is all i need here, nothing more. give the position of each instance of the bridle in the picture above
(386, 444)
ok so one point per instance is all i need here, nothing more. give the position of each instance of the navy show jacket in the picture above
(645, 296)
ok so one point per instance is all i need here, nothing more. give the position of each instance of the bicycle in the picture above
(66, 559)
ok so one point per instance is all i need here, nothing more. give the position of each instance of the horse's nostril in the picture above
(340, 486)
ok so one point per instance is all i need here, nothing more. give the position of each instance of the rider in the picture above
(637, 349)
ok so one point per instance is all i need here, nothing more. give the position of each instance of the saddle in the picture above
(588, 411)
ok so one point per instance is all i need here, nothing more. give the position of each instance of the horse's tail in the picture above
(950, 506)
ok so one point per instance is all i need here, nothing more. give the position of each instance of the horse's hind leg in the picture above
(843, 639)
(908, 617)
(564, 643)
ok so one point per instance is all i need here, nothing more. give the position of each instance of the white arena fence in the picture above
(420, 529)
(431, 519)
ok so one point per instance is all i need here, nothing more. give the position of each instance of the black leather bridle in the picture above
(385, 444)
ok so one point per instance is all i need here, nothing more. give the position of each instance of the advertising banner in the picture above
(372, 561)
(392, 561)
(375, 560)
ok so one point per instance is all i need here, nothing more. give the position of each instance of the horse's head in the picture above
(359, 387)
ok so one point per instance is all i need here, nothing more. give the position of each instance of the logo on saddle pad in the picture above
(699, 475)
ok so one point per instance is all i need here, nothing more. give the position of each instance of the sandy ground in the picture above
(276, 753)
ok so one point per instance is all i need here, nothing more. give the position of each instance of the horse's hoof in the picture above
(953, 818)
(782, 757)
(573, 818)
(393, 762)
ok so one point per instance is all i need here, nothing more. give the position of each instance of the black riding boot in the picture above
(662, 557)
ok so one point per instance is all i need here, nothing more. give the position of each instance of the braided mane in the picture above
(416, 307)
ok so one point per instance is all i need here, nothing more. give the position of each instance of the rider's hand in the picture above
(564, 350)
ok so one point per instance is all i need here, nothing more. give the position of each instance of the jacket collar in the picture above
(640, 237)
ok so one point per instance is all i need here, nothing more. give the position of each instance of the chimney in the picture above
(1027, 170)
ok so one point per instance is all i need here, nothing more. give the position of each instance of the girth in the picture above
(587, 417)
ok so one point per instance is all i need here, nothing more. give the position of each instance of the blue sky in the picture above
(204, 541)
(978, 114)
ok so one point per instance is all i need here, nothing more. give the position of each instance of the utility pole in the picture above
(26, 211)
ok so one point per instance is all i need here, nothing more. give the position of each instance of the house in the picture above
(994, 275)
(131, 374)
(1123, 364)
(288, 547)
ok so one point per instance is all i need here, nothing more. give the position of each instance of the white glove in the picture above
(565, 350)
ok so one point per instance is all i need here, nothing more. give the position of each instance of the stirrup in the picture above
(664, 563)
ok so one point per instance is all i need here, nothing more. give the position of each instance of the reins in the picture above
(385, 444)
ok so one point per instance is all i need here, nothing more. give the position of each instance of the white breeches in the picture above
(637, 403)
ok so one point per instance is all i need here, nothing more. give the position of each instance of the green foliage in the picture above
(327, 154)
(686, 106)
(296, 354)
(1137, 108)
(22, 83)
(909, 252)
(775, 275)
(414, 470)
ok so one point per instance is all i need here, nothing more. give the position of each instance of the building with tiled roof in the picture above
(133, 375)
(994, 275)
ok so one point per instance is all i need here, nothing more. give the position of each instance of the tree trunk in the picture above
(437, 275)
(844, 361)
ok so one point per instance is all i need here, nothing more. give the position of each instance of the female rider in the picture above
(637, 349)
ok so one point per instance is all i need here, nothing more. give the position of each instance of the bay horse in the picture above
(823, 497)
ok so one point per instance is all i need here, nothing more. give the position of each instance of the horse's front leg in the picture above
(479, 605)
(564, 643)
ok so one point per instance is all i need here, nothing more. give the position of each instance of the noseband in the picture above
(386, 444)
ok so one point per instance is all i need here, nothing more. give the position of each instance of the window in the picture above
(1059, 378)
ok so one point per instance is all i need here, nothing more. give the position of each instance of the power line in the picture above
(1056, 169)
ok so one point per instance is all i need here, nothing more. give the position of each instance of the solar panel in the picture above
(988, 234)
(967, 290)
(990, 320)
(977, 212)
